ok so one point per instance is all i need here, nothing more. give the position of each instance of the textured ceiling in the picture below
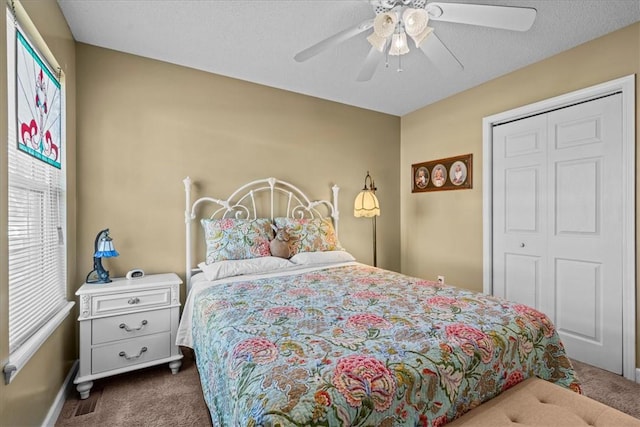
(256, 40)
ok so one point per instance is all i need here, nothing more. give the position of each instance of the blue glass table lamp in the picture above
(103, 249)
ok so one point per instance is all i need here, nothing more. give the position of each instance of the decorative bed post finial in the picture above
(187, 193)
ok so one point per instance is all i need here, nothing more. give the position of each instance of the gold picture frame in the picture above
(452, 173)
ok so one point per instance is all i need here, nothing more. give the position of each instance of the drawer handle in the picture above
(128, 329)
(134, 300)
(123, 354)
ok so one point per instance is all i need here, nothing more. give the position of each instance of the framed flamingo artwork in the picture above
(38, 105)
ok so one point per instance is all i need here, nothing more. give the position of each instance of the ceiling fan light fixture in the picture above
(376, 41)
(415, 20)
(399, 44)
(415, 24)
(383, 27)
(385, 24)
(420, 38)
(397, 19)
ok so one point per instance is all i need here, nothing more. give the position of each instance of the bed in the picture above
(323, 340)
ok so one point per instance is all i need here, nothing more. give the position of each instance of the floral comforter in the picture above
(360, 346)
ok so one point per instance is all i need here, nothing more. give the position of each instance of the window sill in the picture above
(19, 358)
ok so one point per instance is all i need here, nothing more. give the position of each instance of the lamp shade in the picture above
(105, 248)
(415, 24)
(398, 44)
(415, 21)
(385, 24)
(383, 27)
(366, 205)
(376, 41)
(421, 37)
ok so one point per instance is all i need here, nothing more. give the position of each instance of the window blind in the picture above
(36, 218)
(37, 276)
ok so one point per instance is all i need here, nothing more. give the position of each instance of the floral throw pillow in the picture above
(229, 238)
(309, 235)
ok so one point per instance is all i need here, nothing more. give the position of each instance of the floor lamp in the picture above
(367, 206)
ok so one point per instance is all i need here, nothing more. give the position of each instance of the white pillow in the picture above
(237, 267)
(321, 257)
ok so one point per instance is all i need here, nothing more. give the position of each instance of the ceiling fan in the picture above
(397, 19)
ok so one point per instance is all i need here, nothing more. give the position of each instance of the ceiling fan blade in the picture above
(370, 64)
(508, 18)
(441, 57)
(334, 40)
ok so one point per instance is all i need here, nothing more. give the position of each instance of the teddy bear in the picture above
(280, 245)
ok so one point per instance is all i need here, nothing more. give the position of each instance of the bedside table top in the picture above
(123, 284)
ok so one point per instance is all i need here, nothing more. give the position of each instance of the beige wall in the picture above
(26, 401)
(442, 231)
(144, 125)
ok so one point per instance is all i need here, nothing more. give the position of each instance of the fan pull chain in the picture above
(386, 54)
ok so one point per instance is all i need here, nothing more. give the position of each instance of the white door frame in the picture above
(625, 85)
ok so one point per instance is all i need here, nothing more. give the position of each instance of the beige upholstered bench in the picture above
(536, 402)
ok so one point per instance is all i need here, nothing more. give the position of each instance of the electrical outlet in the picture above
(441, 279)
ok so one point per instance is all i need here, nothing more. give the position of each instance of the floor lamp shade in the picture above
(366, 205)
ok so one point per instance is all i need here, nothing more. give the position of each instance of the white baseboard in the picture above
(638, 375)
(58, 403)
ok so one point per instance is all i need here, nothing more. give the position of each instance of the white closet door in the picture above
(558, 228)
(520, 210)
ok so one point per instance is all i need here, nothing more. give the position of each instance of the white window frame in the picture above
(19, 357)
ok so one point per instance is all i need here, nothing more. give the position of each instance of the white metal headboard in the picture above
(244, 203)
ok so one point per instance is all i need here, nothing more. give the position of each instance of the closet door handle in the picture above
(522, 245)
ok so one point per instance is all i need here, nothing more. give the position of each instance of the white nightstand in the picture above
(127, 325)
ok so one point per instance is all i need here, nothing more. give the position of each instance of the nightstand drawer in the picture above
(130, 352)
(130, 301)
(131, 325)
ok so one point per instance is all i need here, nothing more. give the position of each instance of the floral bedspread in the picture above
(360, 346)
